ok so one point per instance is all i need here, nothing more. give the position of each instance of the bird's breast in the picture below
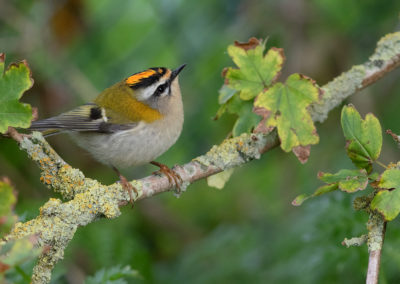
(139, 145)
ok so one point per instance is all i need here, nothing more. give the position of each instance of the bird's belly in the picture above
(136, 146)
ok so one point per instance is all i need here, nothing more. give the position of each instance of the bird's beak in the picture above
(176, 72)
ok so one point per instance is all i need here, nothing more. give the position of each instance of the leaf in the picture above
(321, 190)
(246, 121)
(113, 275)
(20, 251)
(7, 198)
(256, 70)
(364, 137)
(7, 202)
(285, 106)
(225, 93)
(387, 202)
(13, 83)
(219, 180)
(345, 180)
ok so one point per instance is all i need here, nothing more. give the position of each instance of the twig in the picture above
(357, 241)
(395, 137)
(89, 199)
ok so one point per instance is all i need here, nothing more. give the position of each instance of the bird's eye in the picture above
(160, 89)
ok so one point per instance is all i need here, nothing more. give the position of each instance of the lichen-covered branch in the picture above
(385, 58)
(356, 241)
(89, 200)
(376, 233)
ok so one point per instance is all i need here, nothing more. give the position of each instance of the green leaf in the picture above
(246, 121)
(13, 83)
(20, 251)
(387, 202)
(320, 190)
(219, 180)
(113, 275)
(256, 70)
(345, 180)
(7, 201)
(225, 93)
(7, 198)
(364, 137)
(285, 106)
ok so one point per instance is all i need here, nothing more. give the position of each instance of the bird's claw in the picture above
(174, 178)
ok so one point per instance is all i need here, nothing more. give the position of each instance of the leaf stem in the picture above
(381, 164)
(22, 273)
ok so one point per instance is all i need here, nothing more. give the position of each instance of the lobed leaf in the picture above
(387, 202)
(364, 137)
(256, 71)
(285, 107)
(13, 83)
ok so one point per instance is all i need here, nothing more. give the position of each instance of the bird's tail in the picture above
(48, 127)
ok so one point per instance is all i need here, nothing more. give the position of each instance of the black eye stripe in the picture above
(160, 89)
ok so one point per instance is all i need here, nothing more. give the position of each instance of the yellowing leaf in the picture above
(364, 137)
(387, 202)
(256, 71)
(13, 83)
(218, 180)
(285, 107)
(345, 180)
(321, 190)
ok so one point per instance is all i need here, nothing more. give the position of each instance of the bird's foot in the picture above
(173, 178)
(127, 186)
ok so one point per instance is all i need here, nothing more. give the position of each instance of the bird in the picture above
(130, 123)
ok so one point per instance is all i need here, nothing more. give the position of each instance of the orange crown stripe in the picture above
(136, 78)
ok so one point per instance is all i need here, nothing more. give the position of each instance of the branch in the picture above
(376, 233)
(356, 241)
(90, 200)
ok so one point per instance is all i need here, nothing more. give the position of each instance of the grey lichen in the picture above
(356, 241)
(388, 49)
(234, 152)
(337, 90)
(376, 231)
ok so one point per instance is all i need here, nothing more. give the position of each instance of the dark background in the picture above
(248, 232)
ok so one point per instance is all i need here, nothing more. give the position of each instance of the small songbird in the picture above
(130, 123)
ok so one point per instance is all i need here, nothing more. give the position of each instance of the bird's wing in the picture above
(85, 118)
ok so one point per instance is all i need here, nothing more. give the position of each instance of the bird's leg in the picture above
(173, 178)
(126, 185)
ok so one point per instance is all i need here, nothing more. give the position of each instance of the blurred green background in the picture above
(248, 232)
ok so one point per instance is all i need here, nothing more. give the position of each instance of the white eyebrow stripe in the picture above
(145, 93)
